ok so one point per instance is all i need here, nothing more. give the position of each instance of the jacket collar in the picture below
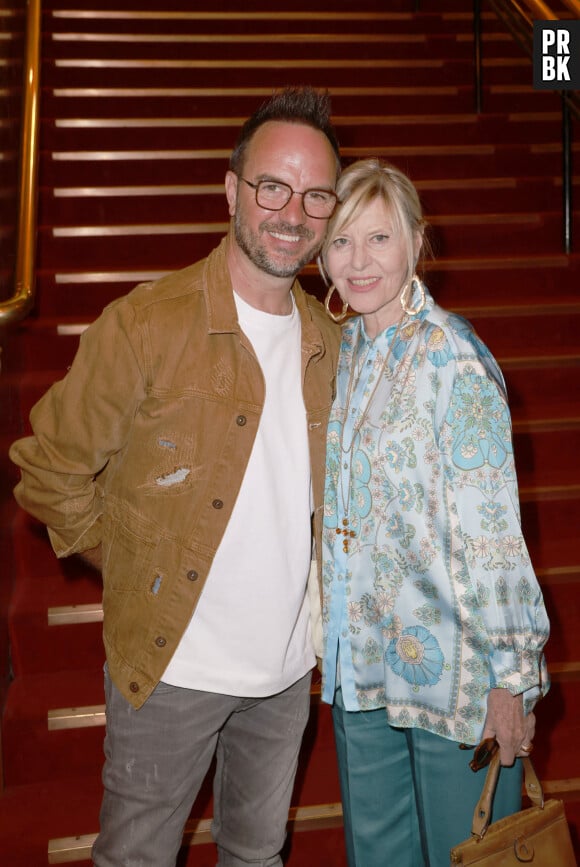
(221, 307)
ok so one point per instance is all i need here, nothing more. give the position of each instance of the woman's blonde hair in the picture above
(363, 182)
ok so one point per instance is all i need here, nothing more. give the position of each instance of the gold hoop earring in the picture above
(414, 282)
(343, 313)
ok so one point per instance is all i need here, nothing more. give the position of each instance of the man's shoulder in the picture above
(175, 287)
(158, 305)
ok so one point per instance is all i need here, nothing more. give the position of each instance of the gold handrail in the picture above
(573, 6)
(539, 11)
(16, 307)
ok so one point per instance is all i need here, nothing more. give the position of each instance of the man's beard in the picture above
(250, 244)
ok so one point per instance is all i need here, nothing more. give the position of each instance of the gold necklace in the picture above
(346, 530)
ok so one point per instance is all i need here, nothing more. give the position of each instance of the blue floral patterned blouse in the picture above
(430, 598)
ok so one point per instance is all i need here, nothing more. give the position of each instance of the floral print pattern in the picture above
(435, 600)
(415, 655)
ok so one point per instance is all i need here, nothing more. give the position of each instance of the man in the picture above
(184, 454)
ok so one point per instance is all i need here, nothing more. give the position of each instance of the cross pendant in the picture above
(346, 534)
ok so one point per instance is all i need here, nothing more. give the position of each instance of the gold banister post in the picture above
(16, 307)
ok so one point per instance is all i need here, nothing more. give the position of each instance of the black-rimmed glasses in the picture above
(275, 195)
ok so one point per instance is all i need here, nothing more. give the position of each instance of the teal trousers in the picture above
(408, 795)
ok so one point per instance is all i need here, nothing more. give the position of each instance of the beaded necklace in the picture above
(346, 530)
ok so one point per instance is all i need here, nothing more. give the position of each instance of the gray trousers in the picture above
(157, 757)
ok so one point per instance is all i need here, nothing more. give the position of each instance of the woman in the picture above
(434, 622)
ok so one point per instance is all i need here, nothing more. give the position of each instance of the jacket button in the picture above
(241, 420)
(134, 686)
(192, 575)
(218, 504)
(160, 641)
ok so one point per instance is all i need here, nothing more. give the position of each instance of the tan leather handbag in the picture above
(538, 836)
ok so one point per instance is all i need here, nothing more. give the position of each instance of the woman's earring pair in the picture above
(407, 296)
(340, 317)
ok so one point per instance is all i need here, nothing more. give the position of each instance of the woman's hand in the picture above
(506, 722)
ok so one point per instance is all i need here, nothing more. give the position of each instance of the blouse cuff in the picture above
(522, 672)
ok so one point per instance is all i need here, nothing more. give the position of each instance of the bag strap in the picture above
(482, 813)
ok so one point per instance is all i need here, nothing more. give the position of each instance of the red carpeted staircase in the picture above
(141, 103)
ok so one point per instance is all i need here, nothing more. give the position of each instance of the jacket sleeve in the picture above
(501, 601)
(77, 426)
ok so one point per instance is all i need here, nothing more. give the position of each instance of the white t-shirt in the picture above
(250, 632)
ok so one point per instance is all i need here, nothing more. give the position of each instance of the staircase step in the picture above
(82, 294)
(211, 42)
(34, 753)
(543, 449)
(146, 166)
(338, 72)
(556, 744)
(174, 245)
(322, 846)
(44, 626)
(27, 846)
(525, 279)
(140, 22)
(79, 625)
(69, 808)
(61, 753)
(66, 820)
(35, 813)
(551, 541)
(94, 205)
(538, 386)
(511, 330)
(563, 606)
(369, 39)
(126, 102)
(53, 728)
(507, 330)
(452, 7)
(354, 129)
